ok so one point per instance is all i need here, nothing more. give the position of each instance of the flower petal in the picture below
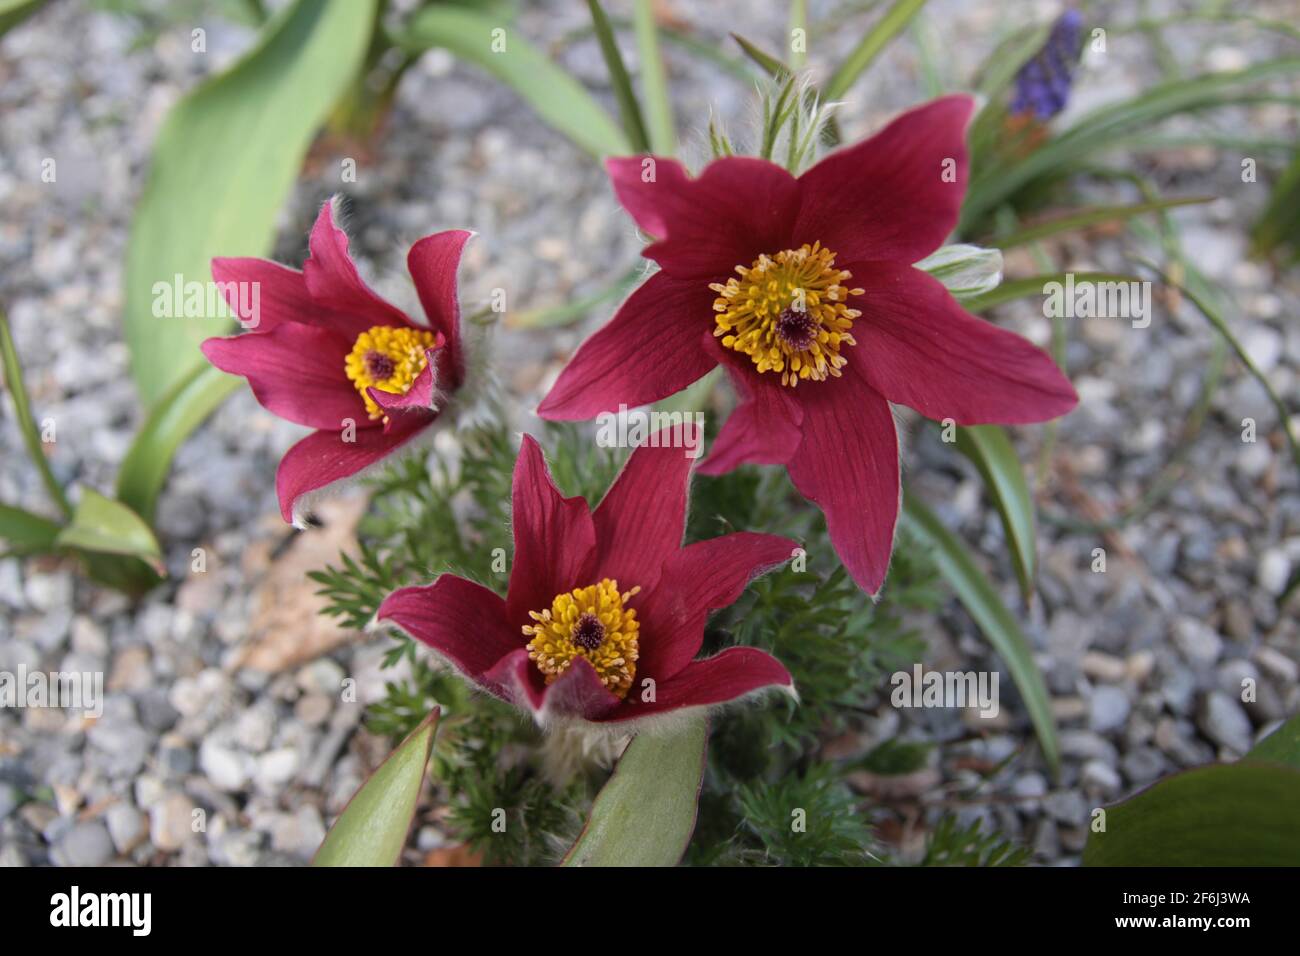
(738, 208)
(575, 694)
(422, 392)
(655, 345)
(295, 371)
(461, 620)
(332, 278)
(433, 263)
(763, 429)
(894, 196)
(919, 347)
(555, 538)
(324, 458)
(848, 466)
(697, 579)
(651, 188)
(734, 673)
(641, 520)
(282, 296)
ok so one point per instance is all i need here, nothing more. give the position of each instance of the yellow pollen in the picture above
(591, 622)
(389, 358)
(788, 313)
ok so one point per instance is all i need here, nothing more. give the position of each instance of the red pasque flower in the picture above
(605, 609)
(328, 353)
(809, 282)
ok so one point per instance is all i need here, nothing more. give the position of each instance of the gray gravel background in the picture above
(1145, 662)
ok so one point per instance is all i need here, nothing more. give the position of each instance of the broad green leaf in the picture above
(1281, 746)
(628, 107)
(870, 46)
(1083, 218)
(13, 374)
(372, 828)
(990, 449)
(103, 526)
(981, 601)
(222, 166)
(1241, 814)
(966, 271)
(558, 99)
(179, 412)
(25, 533)
(14, 12)
(1108, 126)
(645, 813)
(1034, 285)
(654, 81)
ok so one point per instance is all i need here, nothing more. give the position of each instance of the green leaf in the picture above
(770, 65)
(966, 271)
(798, 21)
(990, 448)
(1201, 301)
(372, 828)
(645, 813)
(628, 107)
(223, 164)
(981, 601)
(179, 412)
(1108, 126)
(1281, 746)
(871, 46)
(558, 99)
(103, 526)
(13, 373)
(568, 312)
(14, 12)
(654, 81)
(26, 533)
(1241, 814)
(1033, 285)
(1083, 218)
(1279, 225)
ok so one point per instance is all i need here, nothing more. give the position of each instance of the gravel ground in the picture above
(222, 700)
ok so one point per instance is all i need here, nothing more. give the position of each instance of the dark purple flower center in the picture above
(796, 329)
(379, 366)
(588, 632)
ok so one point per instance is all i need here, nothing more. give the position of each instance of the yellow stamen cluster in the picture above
(591, 622)
(389, 358)
(787, 312)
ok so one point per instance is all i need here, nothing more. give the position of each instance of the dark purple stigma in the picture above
(796, 329)
(379, 366)
(588, 632)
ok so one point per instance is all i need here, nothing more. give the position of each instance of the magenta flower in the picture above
(809, 282)
(605, 610)
(328, 353)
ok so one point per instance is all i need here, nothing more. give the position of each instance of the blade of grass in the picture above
(1093, 216)
(870, 46)
(629, 109)
(981, 601)
(654, 81)
(23, 411)
(556, 96)
(989, 448)
(1033, 285)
